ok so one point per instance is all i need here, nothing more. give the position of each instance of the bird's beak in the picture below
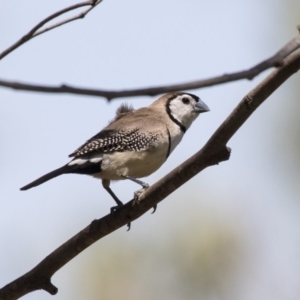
(201, 107)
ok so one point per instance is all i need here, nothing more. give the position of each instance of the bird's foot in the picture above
(113, 209)
(144, 185)
(136, 199)
(137, 194)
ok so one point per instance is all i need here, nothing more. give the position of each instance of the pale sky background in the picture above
(233, 231)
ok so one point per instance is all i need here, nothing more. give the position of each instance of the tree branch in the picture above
(274, 61)
(212, 153)
(35, 30)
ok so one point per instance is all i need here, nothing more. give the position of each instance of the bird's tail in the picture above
(55, 173)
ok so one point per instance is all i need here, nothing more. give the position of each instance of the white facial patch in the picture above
(183, 110)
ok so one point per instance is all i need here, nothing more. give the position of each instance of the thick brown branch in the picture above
(212, 153)
(35, 30)
(275, 60)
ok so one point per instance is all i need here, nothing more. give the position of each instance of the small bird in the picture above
(135, 143)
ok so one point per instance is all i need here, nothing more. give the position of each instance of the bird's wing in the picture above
(109, 140)
(130, 131)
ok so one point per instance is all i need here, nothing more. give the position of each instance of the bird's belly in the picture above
(130, 163)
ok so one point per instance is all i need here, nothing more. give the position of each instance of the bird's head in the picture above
(183, 108)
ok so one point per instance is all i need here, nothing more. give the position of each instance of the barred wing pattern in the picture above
(110, 141)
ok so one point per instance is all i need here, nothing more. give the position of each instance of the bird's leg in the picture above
(105, 184)
(140, 182)
(137, 193)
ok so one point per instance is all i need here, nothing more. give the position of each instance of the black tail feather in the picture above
(86, 168)
(55, 173)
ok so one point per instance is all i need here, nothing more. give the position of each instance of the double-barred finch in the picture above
(135, 144)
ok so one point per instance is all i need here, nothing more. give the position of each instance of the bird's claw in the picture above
(154, 209)
(128, 226)
(113, 209)
(136, 198)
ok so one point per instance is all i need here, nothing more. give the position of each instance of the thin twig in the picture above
(212, 153)
(274, 61)
(35, 30)
(79, 16)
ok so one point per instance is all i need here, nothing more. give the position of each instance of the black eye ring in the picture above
(185, 100)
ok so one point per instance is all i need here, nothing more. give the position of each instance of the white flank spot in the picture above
(78, 161)
(95, 159)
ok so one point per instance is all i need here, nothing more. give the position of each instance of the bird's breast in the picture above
(176, 137)
(136, 164)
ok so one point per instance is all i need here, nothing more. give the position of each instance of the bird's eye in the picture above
(185, 100)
